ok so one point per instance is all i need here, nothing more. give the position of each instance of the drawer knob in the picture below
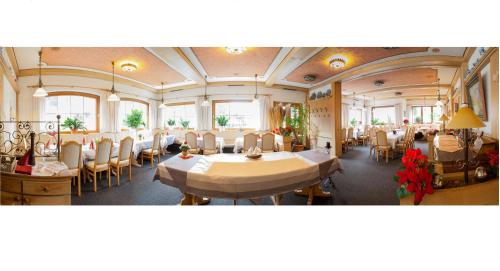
(45, 189)
(26, 201)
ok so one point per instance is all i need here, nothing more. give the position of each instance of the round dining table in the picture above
(234, 176)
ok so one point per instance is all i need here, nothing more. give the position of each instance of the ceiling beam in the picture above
(177, 60)
(12, 58)
(396, 88)
(4, 69)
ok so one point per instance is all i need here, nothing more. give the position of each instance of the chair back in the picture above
(209, 142)
(156, 142)
(71, 154)
(268, 142)
(344, 133)
(192, 140)
(350, 133)
(103, 151)
(249, 140)
(126, 145)
(382, 138)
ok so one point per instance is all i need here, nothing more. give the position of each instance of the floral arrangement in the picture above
(277, 131)
(415, 176)
(492, 162)
(286, 131)
(406, 121)
(185, 146)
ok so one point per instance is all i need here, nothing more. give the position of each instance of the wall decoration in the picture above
(313, 96)
(328, 92)
(476, 98)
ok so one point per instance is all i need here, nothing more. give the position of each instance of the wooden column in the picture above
(494, 94)
(336, 108)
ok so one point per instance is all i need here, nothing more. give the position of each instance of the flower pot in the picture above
(298, 147)
(287, 143)
(184, 153)
(222, 128)
(74, 131)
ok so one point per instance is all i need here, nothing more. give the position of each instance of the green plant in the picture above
(222, 121)
(134, 119)
(354, 122)
(171, 122)
(73, 124)
(376, 121)
(299, 122)
(184, 123)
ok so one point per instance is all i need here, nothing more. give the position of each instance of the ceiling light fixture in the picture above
(205, 102)
(235, 50)
(255, 96)
(129, 67)
(439, 103)
(378, 83)
(338, 62)
(353, 99)
(113, 97)
(162, 105)
(40, 91)
(309, 77)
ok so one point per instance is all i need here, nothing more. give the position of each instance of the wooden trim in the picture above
(214, 102)
(5, 70)
(186, 59)
(274, 74)
(142, 102)
(88, 74)
(97, 110)
(181, 103)
(485, 60)
(337, 116)
(12, 58)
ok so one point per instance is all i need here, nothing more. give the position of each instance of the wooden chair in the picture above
(71, 156)
(383, 145)
(268, 142)
(249, 140)
(209, 144)
(101, 161)
(124, 158)
(153, 151)
(345, 144)
(192, 141)
(373, 140)
(364, 137)
(350, 137)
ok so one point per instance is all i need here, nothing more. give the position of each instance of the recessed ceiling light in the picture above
(129, 67)
(235, 50)
(338, 62)
(309, 77)
(378, 83)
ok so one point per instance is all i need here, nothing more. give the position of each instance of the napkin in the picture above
(250, 151)
(257, 151)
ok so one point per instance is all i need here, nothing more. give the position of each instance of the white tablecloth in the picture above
(144, 144)
(392, 138)
(50, 168)
(219, 141)
(235, 176)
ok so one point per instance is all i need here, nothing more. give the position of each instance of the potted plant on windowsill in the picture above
(222, 121)
(73, 124)
(299, 123)
(171, 123)
(134, 120)
(185, 124)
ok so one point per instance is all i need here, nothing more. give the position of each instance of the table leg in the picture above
(189, 199)
(311, 192)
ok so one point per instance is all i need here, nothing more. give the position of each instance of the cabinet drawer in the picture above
(46, 188)
(46, 200)
(12, 186)
(7, 198)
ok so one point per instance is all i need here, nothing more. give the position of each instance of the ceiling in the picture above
(183, 67)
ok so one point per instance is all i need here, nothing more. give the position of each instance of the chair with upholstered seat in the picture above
(71, 156)
(153, 151)
(364, 137)
(350, 137)
(192, 141)
(383, 145)
(209, 144)
(101, 161)
(343, 134)
(372, 133)
(249, 140)
(124, 158)
(268, 144)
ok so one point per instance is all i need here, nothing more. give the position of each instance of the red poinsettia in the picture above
(492, 158)
(415, 176)
(406, 121)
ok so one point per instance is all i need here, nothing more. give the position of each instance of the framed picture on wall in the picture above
(476, 98)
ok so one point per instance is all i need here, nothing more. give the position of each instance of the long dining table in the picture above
(234, 176)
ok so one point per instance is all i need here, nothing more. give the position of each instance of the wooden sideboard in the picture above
(475, 194)
(20, 189)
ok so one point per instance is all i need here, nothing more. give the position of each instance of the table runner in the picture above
(235, 176)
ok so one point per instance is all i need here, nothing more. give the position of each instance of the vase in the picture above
(222, 128)
(185, 153)
(74, 131)
(287, 143)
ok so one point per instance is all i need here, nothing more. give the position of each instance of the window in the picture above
(426, 114)
(179, 112)
(355, 115)
(242, 114)
(82, 106)
(126, 107)
(383, 115)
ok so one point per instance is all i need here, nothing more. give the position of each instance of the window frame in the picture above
(214, 102)
(422, 113)
(179, 104)
(138, 101)
(384, 106)
(88, 95)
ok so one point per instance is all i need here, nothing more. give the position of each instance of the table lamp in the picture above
(444, 119)
(466, 119)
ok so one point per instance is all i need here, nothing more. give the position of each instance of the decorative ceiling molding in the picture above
(177, 60)
(6, 70)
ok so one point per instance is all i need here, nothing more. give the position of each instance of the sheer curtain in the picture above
(110, 120)
(265, 108)
(399, 114)
(202, 114)
(345, 115)
(38, 112)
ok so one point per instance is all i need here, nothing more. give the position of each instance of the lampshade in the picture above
(113, 98)
(40, 92)
(162, 105)
(465, 119)
(444, 118)
(205, 103)
(439, 103)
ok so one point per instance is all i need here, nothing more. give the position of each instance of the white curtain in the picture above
(202, 115)
(111, 121)
(38, 113)
(345, 115)
(154, 118)
(399, 114)
(265, 107)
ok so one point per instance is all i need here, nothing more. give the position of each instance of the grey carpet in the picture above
(365, 182)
